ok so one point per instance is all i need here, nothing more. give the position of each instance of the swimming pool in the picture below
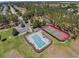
(38, 40)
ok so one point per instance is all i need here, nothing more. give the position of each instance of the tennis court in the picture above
(60, 35)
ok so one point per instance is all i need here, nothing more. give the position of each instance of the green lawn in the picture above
(17, 43)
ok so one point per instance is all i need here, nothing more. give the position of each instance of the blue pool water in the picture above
(38, 40)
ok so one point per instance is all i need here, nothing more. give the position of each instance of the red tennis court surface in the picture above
(60, 35)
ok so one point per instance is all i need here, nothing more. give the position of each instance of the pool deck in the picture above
(34, 45)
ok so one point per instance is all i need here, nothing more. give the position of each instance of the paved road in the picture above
(4, 10)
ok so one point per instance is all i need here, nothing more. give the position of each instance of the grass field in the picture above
(60, 49)
(17, 43)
